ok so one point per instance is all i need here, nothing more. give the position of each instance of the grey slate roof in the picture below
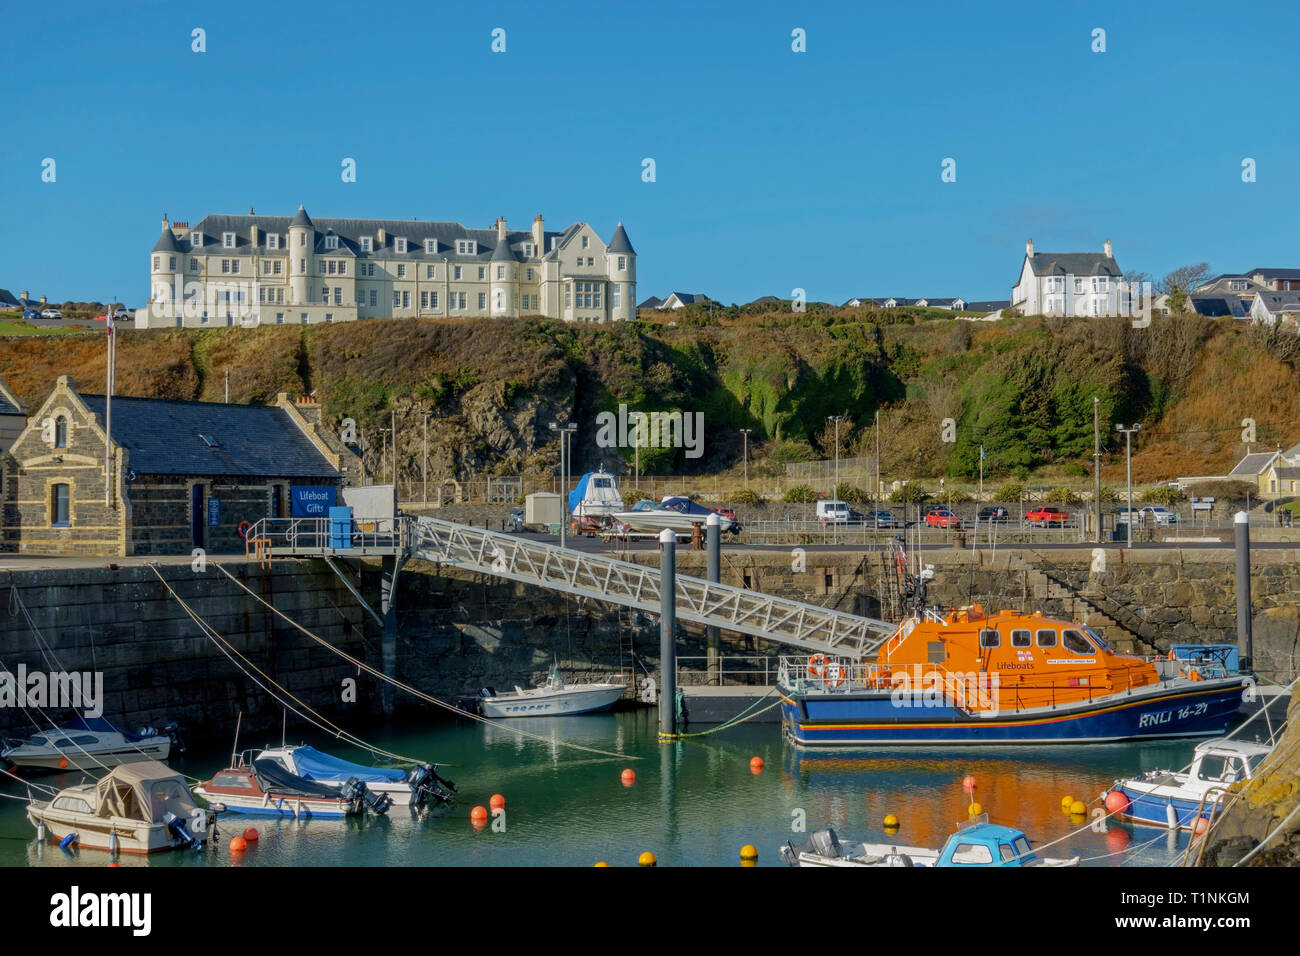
(253, 440)
(1292, 453)
(619, 243)
(1276, 273)
(1073, 263)
(301, 218)
(166, 242)
(1216, 305)
(687, 298)
(1279, 301)
(8, 300)
(991, 305)
(1289, 472)
(10, 404)
(503, 252)
(651, 303)
(1253, 465)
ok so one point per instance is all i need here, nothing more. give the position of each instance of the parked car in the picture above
(942, 518)
(726, 513)
(882, 519)
(1047, 516)
(832, 511)
(31, 314)
(515, 520)
(993, 514)
(1162, 517)
(123, 313)
(51, 314)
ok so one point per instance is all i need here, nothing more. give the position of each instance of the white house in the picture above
(1276, 308)
(1070, 283)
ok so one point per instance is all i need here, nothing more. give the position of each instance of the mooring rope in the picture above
(380, 675)
(740, 718)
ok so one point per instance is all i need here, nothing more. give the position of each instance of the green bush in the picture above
(851, 493)
(1108, 493)
(747, 496)
(1163, 495)
(1073, 469)
(1011, 491)
(801, 494)
(959, 497)
(911, 493)
(1062, 496)
(631, 496)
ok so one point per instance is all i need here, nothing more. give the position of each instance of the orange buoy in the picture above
(478, 815)
(1116, 802)
(968, 783)
(497, 802)
(1200, 826)
(115, 864)
(238, 845)
(251, 835)
(628, 777)
(63, 763)
(756, 764)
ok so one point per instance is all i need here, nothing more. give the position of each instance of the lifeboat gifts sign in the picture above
(312, 501)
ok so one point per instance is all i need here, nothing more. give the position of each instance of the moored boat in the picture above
(139, 807)
(553, 698)
(405, 788)
(266, 788)
(90, 744)
(976, 843)
(1163, 798)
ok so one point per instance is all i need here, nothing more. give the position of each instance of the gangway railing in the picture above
(607, 579)
(273, 537)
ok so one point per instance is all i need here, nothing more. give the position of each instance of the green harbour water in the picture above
(694, 802)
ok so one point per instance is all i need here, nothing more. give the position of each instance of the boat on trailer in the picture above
(405, 788)
(90, 744)
(964, 676)
(1163, 798)
(139, 807)
(264, 787)
(595, 496)
(554, 698)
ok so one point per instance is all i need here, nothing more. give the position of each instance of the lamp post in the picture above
(835, 492)
(1128, 464)
(744, 432)
(566, 439)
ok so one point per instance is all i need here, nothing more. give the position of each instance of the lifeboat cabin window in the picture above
(972, 854)
(990, 637)
(1021, 639)
(1076, 643)
(1046, 638)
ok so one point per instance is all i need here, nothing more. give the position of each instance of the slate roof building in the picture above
(1276, 308)
(252, 269)
(182, 475)
(1070, 283)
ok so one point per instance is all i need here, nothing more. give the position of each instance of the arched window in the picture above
(59, 506)
(60, 432)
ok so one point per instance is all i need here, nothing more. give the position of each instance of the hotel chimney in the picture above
(1029, 248)
(539, 233)
(1107, 249)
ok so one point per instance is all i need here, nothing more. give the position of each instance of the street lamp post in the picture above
(745, 434)
(835, 493)
(566, 438)
(1128, 464)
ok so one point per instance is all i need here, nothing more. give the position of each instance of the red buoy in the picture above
(478, 815)
(1200, 826)
(968, 783)
(238, 845)
(251, 835)
(628, 777)
(1116, 802)
(756, 764)
(497, 802)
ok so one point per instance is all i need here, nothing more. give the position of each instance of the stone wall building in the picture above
(275, 270)
(182, 475)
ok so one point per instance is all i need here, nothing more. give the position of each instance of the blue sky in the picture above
(775, 169)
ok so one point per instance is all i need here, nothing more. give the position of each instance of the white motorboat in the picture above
(553, 698)
(596, 496)
(976, 843)
(89, 744)
(1162, 798)
(141, 807)
(405, 788)
(678, 514)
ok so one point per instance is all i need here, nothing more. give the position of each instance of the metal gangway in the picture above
(604, 578)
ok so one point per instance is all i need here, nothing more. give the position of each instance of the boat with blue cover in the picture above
(413, 787)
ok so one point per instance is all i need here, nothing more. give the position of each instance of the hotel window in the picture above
(261, 295)
(456, 274)
(234, 266)
(527, 250)
(338, 295)
(401, 270)
(228, 240)
(302, 318)
(331, 242)
(272, 240)
(279, 296)
(156, 261)
(279, 317)
(321, 266)
(501, 272)
(329, 316)
(276, 267)
(343, 267)
(302, 265)
(467, 247)
(367, 244)
(482, 301)
(399, 244)
(482, 272)
(196, 239)
(171, 264)
(433, 300)
(501, 300)
(424, 300)
(59, 510)
(590, 262)
(617, 302)
(1099, 284)
(225, 266)
(194, 265)
(397, 300)
(622, 263)
(325, 294)
(430, 272)
(332, 267)
(585, 241)
(431, 245)
(374, 297)
(266, 267)
(406, 299)
(568, 298)
(461, 301)
(530, 275)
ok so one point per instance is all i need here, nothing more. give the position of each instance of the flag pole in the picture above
(108, 408)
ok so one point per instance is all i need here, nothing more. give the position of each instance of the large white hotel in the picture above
(245, 270)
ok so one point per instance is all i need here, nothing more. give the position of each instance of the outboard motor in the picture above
(823, 843)
(177, 828)
(357, 793)
(173, 730)
(425, 784)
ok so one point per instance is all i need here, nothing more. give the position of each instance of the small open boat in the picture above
(976, 843)
(1162, 798)
(266, 788)
(404, 788)
(553, 698)
(140, 807)
(90, 744)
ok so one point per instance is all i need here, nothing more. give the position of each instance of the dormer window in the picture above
(527, 250)
(367, 244)
(554, 241)
(431, 245)
(399, 244)
(196, 240)
(228, 240)
(272, 240)
(331, 242)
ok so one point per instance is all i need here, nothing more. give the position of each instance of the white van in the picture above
(833, 512)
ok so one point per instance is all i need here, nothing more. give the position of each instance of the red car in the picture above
(1045, 516)
(942, 518)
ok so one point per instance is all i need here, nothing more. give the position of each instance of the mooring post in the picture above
(667, 629)
(713, 574)
(388, 644)
(1245, 638)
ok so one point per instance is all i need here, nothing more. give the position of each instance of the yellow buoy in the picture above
(891, 820)
(975, 810)
(602, 863)
(1067, 802)
(749, 852)
(646, 859)
(1078, 806)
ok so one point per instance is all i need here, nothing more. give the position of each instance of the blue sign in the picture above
(214, 512)
(312, 501)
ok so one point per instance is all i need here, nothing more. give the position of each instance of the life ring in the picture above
(834, 675)
(1171, 656)
(243, 529)
(817, 665)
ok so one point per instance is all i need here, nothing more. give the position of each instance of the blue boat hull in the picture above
(1150, 810)
(877, 718)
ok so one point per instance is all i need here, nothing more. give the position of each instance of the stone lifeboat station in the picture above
(181, 475)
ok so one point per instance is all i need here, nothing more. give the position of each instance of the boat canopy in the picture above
(144, 791)
(275, 779)
(596, 493)
(314, 765)
(686, 506)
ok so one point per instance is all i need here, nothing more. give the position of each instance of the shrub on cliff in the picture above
(800, 494)
(1163, 495)
(746, 496)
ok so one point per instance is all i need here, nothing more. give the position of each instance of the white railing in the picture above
(269, 537)
(729, 670)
